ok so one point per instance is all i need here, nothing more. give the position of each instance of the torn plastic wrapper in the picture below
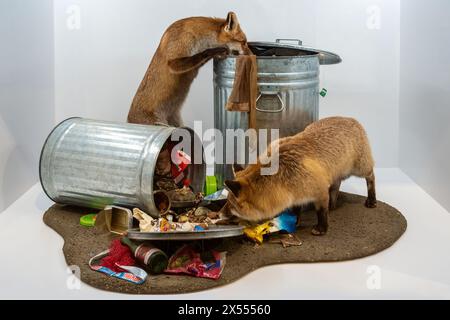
(179, 165)
(286, 221)
(218, 195)
(188, 261)
(131, 274)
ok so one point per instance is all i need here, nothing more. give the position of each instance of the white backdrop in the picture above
(86, 58)
(425, 96)
(103, 48)
(26, 92)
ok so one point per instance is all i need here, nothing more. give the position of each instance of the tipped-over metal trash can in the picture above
(288, 99)
(94, 163)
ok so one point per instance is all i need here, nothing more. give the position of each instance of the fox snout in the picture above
(245, 49)
(239, 48)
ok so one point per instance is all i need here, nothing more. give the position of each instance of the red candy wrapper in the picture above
(179, 164)
(188, 261)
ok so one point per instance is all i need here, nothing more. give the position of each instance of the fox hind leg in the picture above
(371, 201)
(334, 193)
(322, 216)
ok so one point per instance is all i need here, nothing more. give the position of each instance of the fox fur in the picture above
(185, 46)
(312, 165)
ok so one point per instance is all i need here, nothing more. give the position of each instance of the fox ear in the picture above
(237, 168)
(234, 186)
(232, 22)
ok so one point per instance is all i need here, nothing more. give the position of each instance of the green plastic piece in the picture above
(324, 92)
(88, 220)
(210, 185)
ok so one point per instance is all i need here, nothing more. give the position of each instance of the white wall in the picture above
(26, 92)
(99, 66)
(425, 95)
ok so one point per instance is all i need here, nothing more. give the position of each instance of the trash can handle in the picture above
(271, 94)
(299, 42)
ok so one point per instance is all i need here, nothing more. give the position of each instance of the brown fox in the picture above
(312, 165)
(185, 46)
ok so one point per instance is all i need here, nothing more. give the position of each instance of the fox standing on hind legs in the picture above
(185, 46)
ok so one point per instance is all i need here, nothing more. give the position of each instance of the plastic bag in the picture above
(188, 261)
(286, 221)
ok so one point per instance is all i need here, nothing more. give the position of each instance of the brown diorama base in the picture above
(354, 232)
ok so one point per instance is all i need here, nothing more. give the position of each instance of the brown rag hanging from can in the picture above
(244, 94)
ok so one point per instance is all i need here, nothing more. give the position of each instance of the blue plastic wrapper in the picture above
(218, 195)
(286, 221)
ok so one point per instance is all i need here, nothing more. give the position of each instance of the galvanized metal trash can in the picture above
(95, 163)
(288, 83)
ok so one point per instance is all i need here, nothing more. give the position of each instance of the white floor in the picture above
(417, 266)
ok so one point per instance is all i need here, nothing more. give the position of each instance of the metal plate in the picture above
(214, 232)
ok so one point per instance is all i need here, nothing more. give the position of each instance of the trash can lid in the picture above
(291, 47)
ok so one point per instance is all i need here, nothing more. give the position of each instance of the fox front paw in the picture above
(319, 230)
(371, 203)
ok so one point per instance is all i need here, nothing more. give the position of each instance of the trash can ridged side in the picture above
(288, 98)
(95, 163)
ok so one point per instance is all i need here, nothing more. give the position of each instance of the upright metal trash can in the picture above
(288, 99)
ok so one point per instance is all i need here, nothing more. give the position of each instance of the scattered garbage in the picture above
(166, 184)
(186, 260)
(210, 185)
(88, 220)
(218, 195)
(256, 233)
(115, 219)
(154, 259)
(171, 222)
(162, 201)
(200, 233)
(286, 221)
(163, 164)
(286, 240)
(119, 254)
(181, 211)
(179, 165)
(117, 262)
(184, 197)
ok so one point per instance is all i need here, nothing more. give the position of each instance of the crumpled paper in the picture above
(145, 221)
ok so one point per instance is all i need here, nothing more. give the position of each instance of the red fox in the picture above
(312, 165)
(185, 46)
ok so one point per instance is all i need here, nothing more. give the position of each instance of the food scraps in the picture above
(173, 222)
(183, 194)
(286, 240)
